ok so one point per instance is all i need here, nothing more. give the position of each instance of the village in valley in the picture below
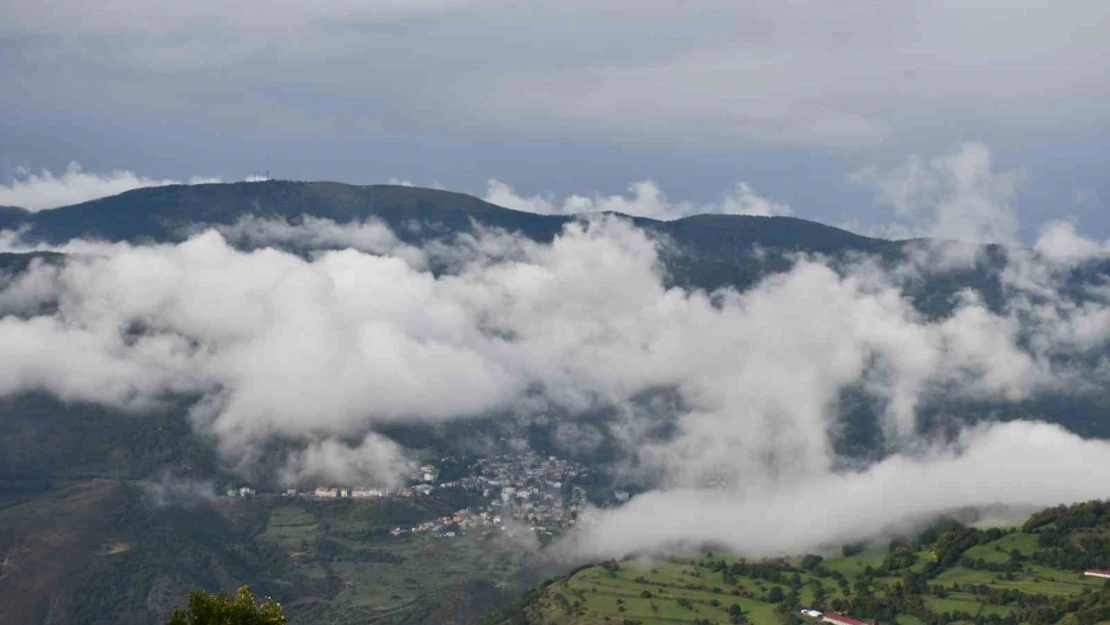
(518, 491)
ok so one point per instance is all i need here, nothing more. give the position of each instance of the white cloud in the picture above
(46, 190)
(1015, 464)
(44, 351)
(646, 199)
(957, 195)
(323, 350)
(170, 489)
(1061, 244)
(375, 460)
(315, 233)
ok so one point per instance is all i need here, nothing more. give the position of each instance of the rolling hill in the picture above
(1033, 574)
(702, 251)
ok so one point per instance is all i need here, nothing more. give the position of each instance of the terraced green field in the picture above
(364, 574)
(992, 582)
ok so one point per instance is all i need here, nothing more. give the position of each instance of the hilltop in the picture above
(165, 213)
(710, 251)
(701, 251)
(159, 213)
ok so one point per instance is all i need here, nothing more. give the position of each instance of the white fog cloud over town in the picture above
(324, 349)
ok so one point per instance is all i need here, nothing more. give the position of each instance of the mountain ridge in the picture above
(219, 202)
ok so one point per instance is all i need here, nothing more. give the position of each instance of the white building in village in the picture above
(1104, 574)
(366, 492)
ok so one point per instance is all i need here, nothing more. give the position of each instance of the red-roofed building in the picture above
(1104, 574)
(840, 619)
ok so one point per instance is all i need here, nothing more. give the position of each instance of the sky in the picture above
(795, 101)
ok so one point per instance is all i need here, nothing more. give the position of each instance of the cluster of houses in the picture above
(529, 470)
(422, 482)
(537, 492)
(527, 487)
(327, 492)
(324, 492)
(540, 491)
(448, 526)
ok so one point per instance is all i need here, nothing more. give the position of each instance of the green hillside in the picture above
(10, 216)
(1029, 575)
(45, 441)
(165, 213)
(103, 552)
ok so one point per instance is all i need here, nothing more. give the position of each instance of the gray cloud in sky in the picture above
(766, 73)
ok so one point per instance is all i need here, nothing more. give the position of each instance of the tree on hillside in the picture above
(852, 549)
(214, 609)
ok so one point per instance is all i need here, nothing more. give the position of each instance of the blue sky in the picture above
(792, 98)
